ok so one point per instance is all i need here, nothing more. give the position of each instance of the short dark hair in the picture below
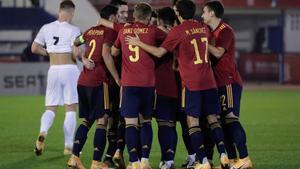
(107, 11)
(175, 1)
(186, 9)
(66, 5)
(154, 14)
(167, 14)
(142, 10)
(117, 3)
(217, 7)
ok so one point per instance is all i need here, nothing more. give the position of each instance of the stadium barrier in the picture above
(265, 67)
(23, 78)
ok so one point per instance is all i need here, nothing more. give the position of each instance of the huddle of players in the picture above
(146, 55)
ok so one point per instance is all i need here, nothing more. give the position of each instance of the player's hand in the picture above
(89, 64)
(127, 24)
(130, 40)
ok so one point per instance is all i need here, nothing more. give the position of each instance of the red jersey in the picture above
(137, 65)
(165, 82)
(190, 42)
(118, 26)
(225, 69)
(94, 38)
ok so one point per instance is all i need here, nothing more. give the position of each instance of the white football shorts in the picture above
(62, 85)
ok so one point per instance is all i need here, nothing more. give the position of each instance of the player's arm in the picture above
(79, 41)
(156, 51)
(38, 49)
(216, 51)
(37, 46)
(76, 53)
(76, 50)
(106, 23)
(109, 62)
(115, 51)
(225, 39)
(164, 29)
(87, 63)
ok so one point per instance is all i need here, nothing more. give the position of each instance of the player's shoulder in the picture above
(97, 27)
(65, 25)
(73, 27)
(109, 30)
(201, 24)
(49, 25)
(153, 28)
(98, 30)
(225, 27)
(100, 27)
(176, 28)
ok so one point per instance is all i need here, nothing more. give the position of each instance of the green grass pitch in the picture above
(271, 120)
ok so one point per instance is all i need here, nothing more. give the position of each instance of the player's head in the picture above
(153, 20)
(185, 9)
(212, 9)
(142, 12)
(67, 5)
(174, 8)
(122, 13)
(67, 8)
(174, 2)
(109, 12)
(166, 16)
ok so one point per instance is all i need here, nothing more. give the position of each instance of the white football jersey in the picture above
(58, 37)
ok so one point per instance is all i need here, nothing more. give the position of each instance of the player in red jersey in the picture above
(138, 81)
(190, 42)
(93, 94)
(229, 82)
(116, 123)
(191, 156)
(167, 103)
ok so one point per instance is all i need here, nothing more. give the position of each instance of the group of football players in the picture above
(164, 65)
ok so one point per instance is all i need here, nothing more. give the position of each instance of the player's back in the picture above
(138, 65)
(165, 83)
(94, 38)
(191, 46)
(59, 36)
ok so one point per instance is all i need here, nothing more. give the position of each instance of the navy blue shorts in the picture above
(230, 98)
(93, 101)
(166, 108)
(201, 103)
(137, 100)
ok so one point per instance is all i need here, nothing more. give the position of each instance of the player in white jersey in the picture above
(58, 38)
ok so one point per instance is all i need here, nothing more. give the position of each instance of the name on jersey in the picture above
(195, 31)
(135, 30)
(95, 32)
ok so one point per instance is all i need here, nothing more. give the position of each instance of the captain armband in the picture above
(81, 40)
